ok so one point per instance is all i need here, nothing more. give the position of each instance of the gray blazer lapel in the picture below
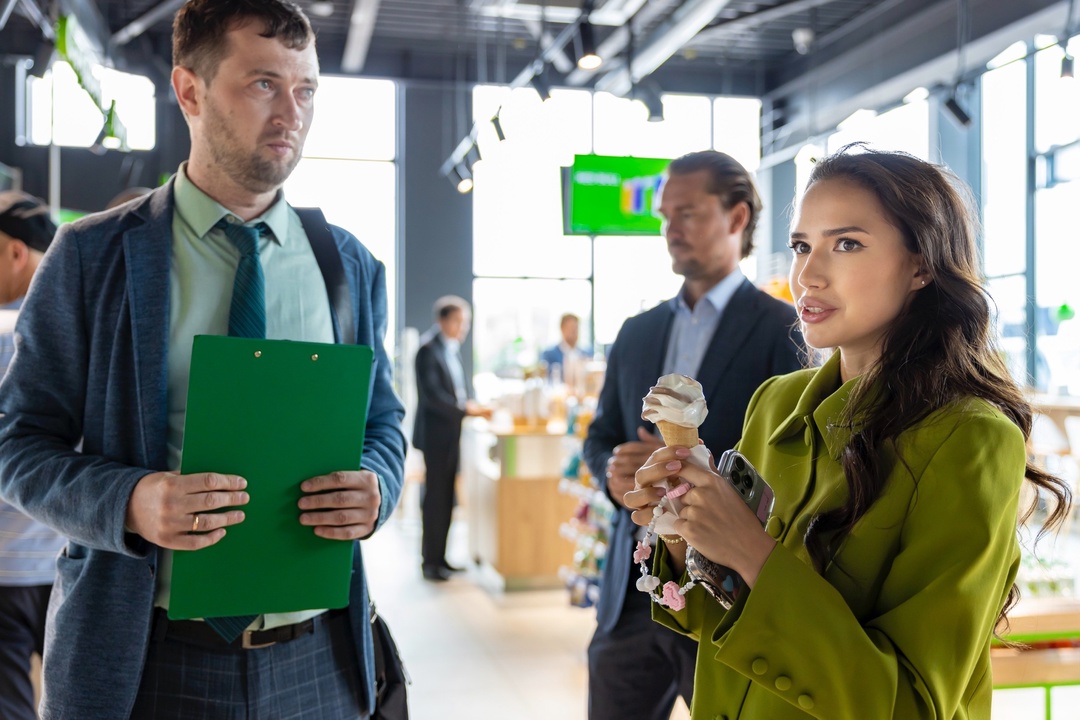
(654, 350)
(147, 253)
(730, 336)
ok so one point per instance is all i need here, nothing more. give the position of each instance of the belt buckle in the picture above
(245, 641)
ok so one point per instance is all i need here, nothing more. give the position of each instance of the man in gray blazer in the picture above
(102, 361)
(720, 330)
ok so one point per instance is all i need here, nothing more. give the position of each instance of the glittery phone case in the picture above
(722, 582)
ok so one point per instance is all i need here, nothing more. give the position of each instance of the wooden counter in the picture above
(1040, 620)
(1058, 408)
(515, 509)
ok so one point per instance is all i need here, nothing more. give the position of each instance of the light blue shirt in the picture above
(201, 279)
(457, 372)
(693, 329)
(28, 549)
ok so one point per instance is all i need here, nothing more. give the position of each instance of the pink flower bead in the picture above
(672, 597)
(643, 552)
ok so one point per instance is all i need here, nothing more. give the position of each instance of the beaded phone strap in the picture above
(670, 595)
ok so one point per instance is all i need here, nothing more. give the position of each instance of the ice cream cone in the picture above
(678, 434)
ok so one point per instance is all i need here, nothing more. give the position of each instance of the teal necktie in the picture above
(247, 313)
(247, 318)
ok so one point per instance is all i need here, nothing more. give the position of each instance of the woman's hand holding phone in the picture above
(714, 518)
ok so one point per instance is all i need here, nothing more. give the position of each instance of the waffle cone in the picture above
(678, 434)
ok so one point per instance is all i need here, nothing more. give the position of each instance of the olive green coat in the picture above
(899, 625)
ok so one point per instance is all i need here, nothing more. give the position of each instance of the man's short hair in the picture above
(447, 304)
(26, 218)
(567, 317)
(199, 29)
(729, 181)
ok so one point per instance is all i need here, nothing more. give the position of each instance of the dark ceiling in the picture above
(721, 46)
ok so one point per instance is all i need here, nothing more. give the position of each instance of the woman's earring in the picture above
(923, 282)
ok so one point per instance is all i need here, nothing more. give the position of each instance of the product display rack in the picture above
(588, 528)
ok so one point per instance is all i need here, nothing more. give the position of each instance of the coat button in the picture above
(759, 666)
(806, 702)
(774, 527)
(783, 683)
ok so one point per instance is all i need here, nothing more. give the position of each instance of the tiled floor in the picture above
(476, 653)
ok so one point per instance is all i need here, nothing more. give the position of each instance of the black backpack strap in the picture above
(333, 272)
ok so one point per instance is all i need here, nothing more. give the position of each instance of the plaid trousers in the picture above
(314, 677)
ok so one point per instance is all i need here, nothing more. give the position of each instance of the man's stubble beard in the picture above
(252, 172)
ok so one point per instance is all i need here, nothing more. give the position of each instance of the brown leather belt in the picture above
(198, 633)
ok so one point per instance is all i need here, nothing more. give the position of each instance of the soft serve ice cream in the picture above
(676, 405)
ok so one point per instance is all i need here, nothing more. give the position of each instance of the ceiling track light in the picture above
(648, 92)
(540, 83)
(588, 59)
(1067, 64)
(957, 111)
(497, 123)
(655, 106)
(461, 178)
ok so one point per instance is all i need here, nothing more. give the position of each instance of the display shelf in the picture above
(589, 526)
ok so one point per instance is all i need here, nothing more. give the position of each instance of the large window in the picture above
(1057, 253)
(528, 273)
(80, 122)
(1030, 247)
(351, 174)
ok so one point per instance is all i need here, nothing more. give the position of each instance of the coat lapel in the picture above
(652, 353)
(147, 252)
(729, 339)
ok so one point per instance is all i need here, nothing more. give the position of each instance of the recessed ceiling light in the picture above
(321, 8)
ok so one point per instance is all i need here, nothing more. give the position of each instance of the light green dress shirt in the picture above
(201, 278)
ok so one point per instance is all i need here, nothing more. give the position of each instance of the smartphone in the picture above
(722, 582)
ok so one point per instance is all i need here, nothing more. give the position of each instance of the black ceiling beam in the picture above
(920, 50)
(724, 30)
(5, 11)
(39, 18)
(148, 19)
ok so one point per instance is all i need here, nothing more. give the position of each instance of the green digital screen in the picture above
(613, 195)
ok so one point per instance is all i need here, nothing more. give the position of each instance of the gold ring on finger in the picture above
(195, 524)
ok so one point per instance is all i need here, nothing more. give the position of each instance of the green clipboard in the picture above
(276, 412)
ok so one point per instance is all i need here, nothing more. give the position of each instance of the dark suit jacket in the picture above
(91, 368)
(438, 416)
(756, 339)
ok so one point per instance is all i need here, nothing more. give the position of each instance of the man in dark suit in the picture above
(444, 399)
(731, 337)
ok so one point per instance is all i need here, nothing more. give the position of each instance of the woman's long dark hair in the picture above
(939, 350)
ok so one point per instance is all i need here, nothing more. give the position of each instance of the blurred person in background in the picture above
(564, 360)
(28, 549)
(444, 398)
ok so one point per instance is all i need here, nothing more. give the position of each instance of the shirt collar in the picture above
(451, 344)
(201, 212)
(822, 403)
(719, 294)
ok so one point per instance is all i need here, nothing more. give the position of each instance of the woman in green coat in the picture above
(875, 587)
